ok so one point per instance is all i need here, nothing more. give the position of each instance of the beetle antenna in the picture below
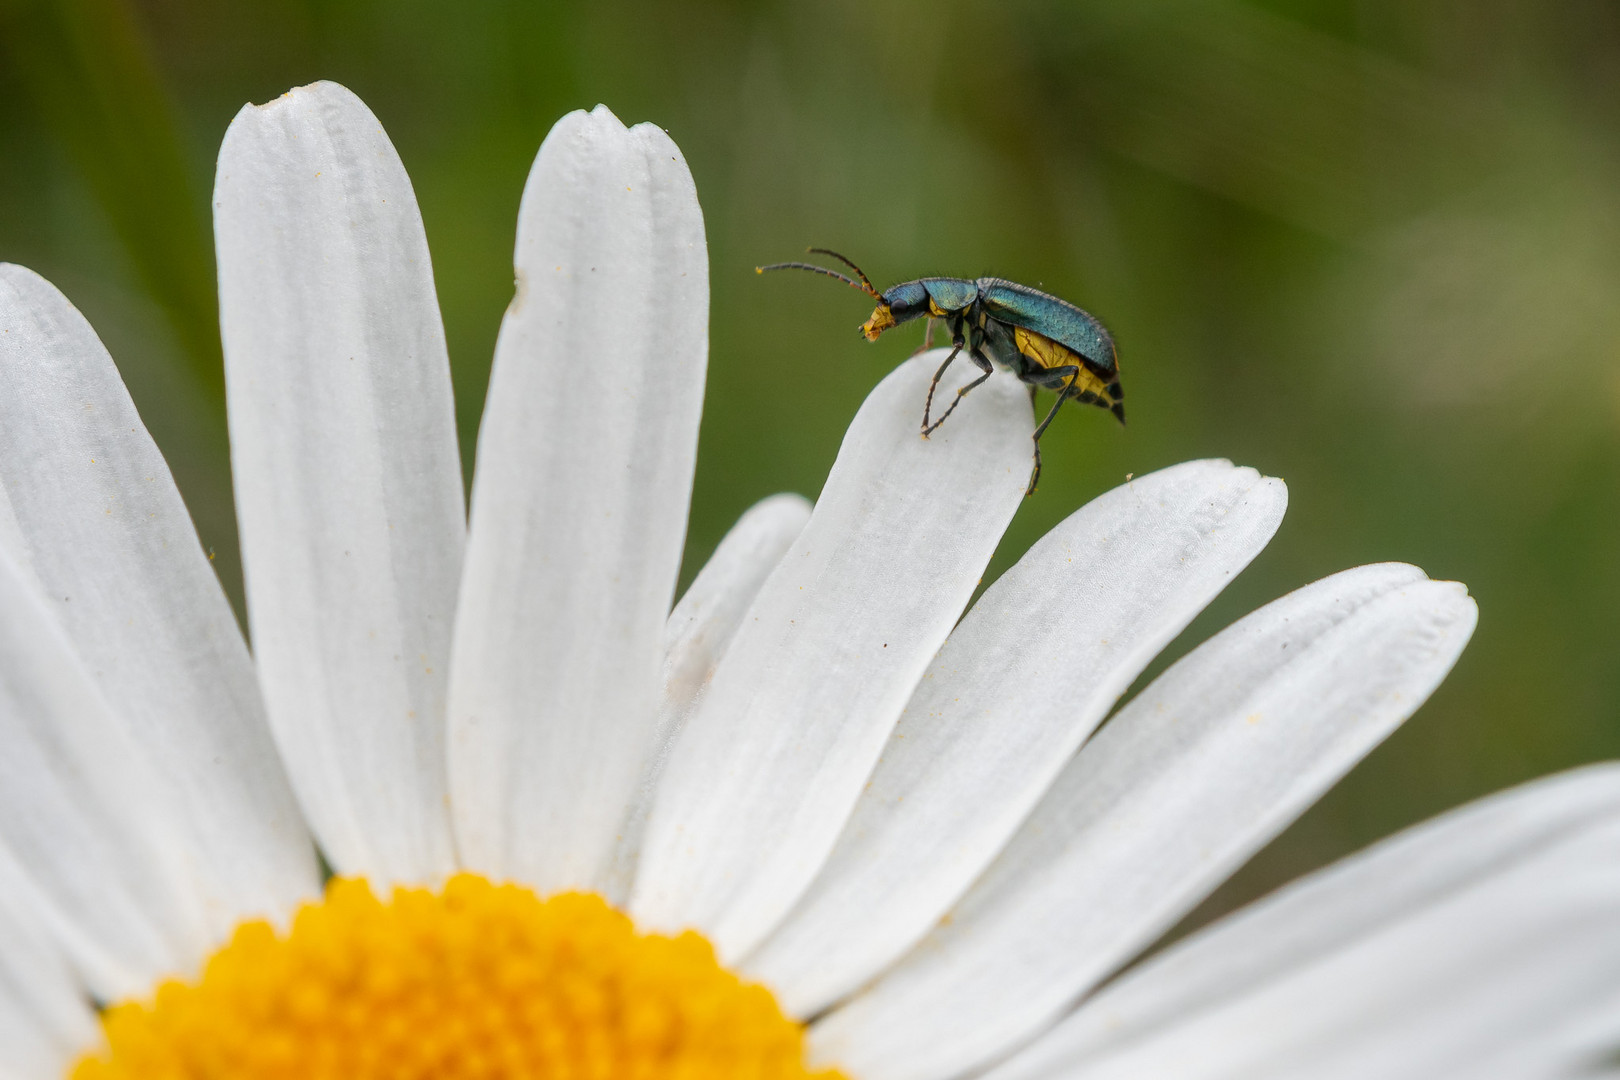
(865, 288)
(858, 271)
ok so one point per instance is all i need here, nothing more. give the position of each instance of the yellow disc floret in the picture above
(478, 981)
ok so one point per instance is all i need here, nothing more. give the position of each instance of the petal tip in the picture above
(277, 120)
(1275, 487)
(580, 132)
(1446, 600)
(656, 141)
(785, 502)
(298, 95)
(18, 274)
(604, 115)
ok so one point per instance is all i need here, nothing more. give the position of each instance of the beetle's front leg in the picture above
(983, 364)
(958, 343)
(928, 402)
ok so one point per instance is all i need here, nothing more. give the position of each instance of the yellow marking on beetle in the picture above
(1049, 354)
(881, 320)
(1043, 350)
(935, 310)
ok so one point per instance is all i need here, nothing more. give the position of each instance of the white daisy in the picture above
(900, 820)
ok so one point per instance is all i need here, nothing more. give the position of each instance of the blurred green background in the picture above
(1369, 246)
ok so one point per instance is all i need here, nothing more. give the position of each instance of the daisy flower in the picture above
(813, 820)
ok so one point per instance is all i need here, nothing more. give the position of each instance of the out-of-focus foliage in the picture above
(1369, 246)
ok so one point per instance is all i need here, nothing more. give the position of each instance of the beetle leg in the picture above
(983, 365)
(1071, 372)
(928, 402)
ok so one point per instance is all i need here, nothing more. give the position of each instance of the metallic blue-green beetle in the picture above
(1046, 342)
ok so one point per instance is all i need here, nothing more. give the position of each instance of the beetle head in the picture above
(898, 304)
(882, 318)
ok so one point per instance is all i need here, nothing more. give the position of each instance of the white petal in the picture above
(92, 827)
(696, 636)
(585, 463)
(1483, 943)
(45, 1018)
(1191, 778)
(89, 511)
(348, 481)
(1021, 682)
(775, 754)
(702, 624)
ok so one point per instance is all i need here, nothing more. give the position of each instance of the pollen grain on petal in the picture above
(477, 981)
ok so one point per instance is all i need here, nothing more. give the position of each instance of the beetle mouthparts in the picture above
(881, 320)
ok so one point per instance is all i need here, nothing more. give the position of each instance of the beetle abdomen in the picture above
(1087, 386)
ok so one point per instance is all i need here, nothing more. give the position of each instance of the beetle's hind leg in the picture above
(1068, 374)
(983, 365)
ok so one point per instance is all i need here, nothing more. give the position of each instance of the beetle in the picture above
(1048, 343)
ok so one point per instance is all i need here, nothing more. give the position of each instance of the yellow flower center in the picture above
(479, 981)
